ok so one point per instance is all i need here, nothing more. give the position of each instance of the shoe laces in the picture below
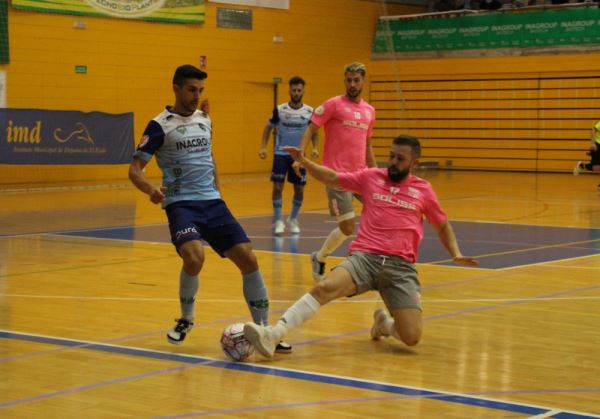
(182, 325)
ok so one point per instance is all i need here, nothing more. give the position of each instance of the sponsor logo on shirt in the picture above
(413, 193)
(192, 143)
(394, 201)
(356, 124)
(320, 110)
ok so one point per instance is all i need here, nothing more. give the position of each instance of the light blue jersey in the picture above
(183, 149)
(290, 124)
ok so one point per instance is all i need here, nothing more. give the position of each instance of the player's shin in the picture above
(255, 293)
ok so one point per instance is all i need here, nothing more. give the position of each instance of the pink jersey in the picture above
(348, 125)
(392, 218)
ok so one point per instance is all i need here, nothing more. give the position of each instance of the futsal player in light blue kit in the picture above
(290, 120)
(180, 138)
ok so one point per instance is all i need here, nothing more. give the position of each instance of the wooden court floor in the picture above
(83, 315)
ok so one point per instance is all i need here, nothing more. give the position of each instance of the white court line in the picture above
(548, 414)
(549, 263)
(342, 301)
(348, 381)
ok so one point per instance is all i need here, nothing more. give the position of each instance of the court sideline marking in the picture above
(409, 391)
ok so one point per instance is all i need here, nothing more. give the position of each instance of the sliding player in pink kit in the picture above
(383, 255)
(348, 122)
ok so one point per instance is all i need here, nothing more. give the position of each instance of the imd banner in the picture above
(173, 11)
(35, 136)
(491, 30)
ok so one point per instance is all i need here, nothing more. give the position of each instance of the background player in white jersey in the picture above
(384, 253)
(181, 139)
(289, 120)
(348, 121)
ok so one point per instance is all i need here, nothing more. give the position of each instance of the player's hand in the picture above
(205, 106)
(158, 195)
(315, 153)
(465, 261)
(262, 153)
(295, 152)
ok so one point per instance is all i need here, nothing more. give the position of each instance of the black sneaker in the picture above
(176, 335)
(283, 348)
(318, 267)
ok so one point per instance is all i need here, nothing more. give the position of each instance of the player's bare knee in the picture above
(192, 264)
(410, 337)
(248, 263)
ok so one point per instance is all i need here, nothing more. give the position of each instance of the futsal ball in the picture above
(234, 343)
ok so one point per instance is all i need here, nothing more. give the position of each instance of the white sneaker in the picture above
(380, 317)
(262, 337)
(279, 227)
(177, 335)
(579, 167)
(293, 225)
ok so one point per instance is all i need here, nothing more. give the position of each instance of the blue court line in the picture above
(280, 372)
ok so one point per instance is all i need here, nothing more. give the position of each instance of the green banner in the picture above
(173, 11)
(491, 30)
(4, 58)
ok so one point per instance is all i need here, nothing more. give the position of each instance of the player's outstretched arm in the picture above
(321, 173)
(448, 239)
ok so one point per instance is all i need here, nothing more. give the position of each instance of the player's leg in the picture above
(227, 237)
(298, 198)
(254, 288)
(278, 178)
(340, 205)
(187, 241)
(277, 200)
(400, 290)
(338, 283)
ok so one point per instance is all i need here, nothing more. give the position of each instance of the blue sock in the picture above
(255, 293)
(277, 204)
(188, 287)
(296, 204)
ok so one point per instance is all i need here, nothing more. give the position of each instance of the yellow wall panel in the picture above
(130, 65)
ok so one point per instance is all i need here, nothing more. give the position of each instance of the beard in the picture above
(296, 100)
(353, 93)
(396, 175)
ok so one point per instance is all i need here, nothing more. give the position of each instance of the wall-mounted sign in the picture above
(234, 18)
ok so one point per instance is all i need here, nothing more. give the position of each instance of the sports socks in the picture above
(332, 242)
(277, 205)
(298, 313)
(255, 293)
(188, 287)
(296, 204)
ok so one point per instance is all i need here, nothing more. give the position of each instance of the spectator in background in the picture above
(594, 153)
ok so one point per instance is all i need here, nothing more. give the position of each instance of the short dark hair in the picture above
(411, 141)
(297, 80)
(187, 71)
(356, 67)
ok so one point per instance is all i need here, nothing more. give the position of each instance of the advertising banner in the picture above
(173, 11)
(543, 28)
(35, 136)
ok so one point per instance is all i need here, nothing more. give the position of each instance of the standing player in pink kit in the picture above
(383, 255)
(348, 122)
